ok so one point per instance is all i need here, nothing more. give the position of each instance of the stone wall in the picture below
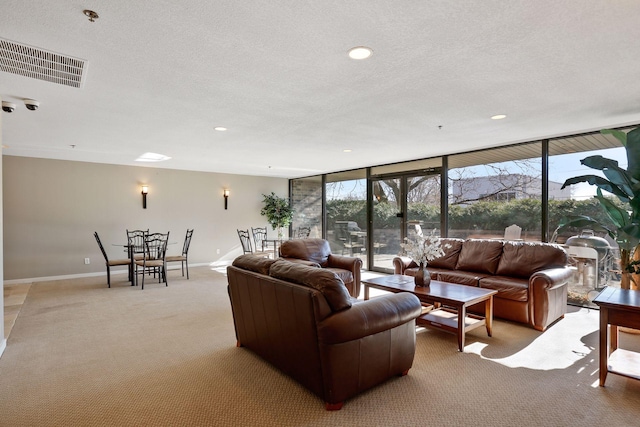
(307, 205)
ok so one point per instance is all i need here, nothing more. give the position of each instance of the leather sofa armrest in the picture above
(548, 296)
(550, 278)
(352, 264)
(369, 317)
(345, 262)
(401, 263)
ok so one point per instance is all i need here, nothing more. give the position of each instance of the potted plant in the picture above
(278, 212)
(625, 185)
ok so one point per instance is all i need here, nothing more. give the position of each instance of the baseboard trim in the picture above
(103, 273)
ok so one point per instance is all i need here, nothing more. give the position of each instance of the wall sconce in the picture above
(145, 190)
(226, 198)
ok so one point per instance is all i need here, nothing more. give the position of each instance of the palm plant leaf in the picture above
(633, 233)
(633, 153)
(618, 134)
(631, 142)
(635, 209)
(612, 171)
(600, 182)
(618, 216)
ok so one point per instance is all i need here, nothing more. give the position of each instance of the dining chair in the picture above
(135, 248)
(303, 232)
(260, 239)
(512, 232)
(183, 257)
(135, 240)
(245, 241)
(350, 241)
(110, 263)
(154, 259)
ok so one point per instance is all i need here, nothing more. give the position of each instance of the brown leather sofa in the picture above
(317, 252)
(302, 320)
(531, 278)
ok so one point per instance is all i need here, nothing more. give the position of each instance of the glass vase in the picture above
(422, 277)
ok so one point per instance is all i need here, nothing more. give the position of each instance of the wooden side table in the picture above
(618, 307)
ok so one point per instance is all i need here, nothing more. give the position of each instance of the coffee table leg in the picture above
(366, 292)
(462, 314)
(488, 315)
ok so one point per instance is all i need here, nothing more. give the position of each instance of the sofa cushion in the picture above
(522, 259)
(256, 263)
(469, 278)
(315, 250)
(302, 261)
(323, 280)
(451, 248)
(510, 288)
(480, 255)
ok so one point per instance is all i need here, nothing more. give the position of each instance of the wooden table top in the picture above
(442, 291)
(616, 297)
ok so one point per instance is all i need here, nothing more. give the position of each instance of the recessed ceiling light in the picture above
(498, 117)
(360, 52)
(347, 150)
(220, 128)
(152, 157)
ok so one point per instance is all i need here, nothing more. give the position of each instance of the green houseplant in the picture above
(278, 212)
(625, 185)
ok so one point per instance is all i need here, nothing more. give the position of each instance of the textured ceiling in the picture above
(161, 75)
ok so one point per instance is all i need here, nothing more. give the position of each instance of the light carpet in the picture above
(81, 354)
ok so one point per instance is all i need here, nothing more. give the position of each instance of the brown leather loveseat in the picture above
(302, 320)
(317, 252)
(531, 278)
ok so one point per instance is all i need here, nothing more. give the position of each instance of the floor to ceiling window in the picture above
(493, 189)
(486, 192)
(594, 255)
(346, 198)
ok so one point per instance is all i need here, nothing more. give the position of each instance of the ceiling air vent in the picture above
(41, 64)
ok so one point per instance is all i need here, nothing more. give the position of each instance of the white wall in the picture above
(52, 208)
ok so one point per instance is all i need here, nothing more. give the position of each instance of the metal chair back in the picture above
(259, 237)
(104, 253)
(245, 241)
(135, 240)
(155, 246)
(187, 242)
(303, 232)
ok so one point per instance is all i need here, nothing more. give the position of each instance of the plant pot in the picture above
(422, 277)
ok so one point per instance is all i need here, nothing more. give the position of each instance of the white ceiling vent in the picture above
(41, 64)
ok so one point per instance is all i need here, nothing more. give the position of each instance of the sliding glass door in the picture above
(402, 206)
(387, 225)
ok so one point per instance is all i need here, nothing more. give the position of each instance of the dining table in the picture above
(276, 244)
(131, 251)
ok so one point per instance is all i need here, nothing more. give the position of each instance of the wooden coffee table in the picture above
(450, 303)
